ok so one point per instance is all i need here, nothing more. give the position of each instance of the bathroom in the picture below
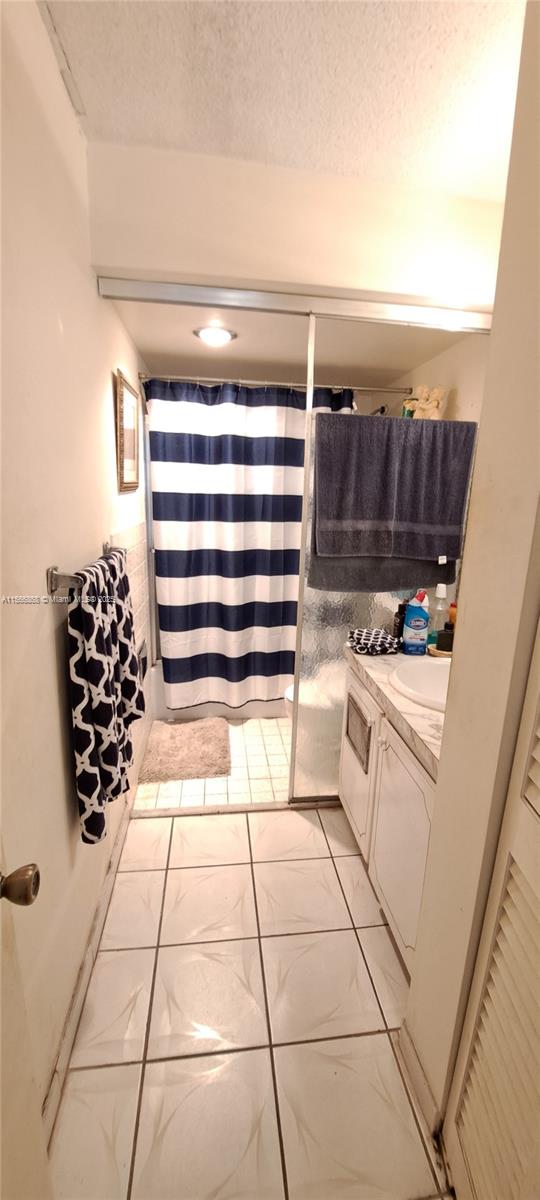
(344, 296)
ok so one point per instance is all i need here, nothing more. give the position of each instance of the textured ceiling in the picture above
(415, 93)
(274, 346)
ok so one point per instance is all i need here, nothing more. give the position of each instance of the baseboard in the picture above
(54, 1092)
(406, 1051)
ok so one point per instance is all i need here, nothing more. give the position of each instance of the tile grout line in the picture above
(415, 1118)
(342, 889)
(268, 1024)
(244, 862)
(69, 1068)
(227, 1051)
(248, 938)
(387, 1027)
(148, 1022)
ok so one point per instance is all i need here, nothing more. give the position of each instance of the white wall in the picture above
(208, 219)
(461, 370)
(498, 614)
(60, 501)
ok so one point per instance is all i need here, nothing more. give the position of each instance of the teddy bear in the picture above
(425, 404)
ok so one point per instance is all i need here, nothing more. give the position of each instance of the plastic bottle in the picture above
(440, 614)
(415, 628)
(399, 618)
(452, 613)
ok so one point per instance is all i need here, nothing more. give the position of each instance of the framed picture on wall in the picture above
(127, 434)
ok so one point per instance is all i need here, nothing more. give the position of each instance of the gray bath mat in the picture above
(187, 750)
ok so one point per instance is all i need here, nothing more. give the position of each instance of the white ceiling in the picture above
(415, 93)
(274, 346)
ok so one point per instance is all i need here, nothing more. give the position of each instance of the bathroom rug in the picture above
(187, 750)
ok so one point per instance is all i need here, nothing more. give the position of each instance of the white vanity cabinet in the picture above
(358, 760)
(402, 812)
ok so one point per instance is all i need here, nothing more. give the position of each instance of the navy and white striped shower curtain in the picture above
(227, 473)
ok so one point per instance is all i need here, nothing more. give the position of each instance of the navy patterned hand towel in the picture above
(106, 692)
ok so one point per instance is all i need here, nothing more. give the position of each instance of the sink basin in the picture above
(424, 680)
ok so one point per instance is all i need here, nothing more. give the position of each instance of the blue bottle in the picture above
(415, 628)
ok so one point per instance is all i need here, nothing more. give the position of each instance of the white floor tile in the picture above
(146, 790)
(299, 897)
(145, 805)
(169, 794)
(258, 772)
(208, 1128)
(164, 803)
(286, 835)
(238, 785)
(147, 845)
(279, 772)
(347, 1125)
(113, 1022)
(133, 916)
(261, 785)
(387, 973)
(359, 892)
(193, 787)
(216, 787)
(318, 987)
(207, 998)
(208, 904)
(90, 1152)
(205, 841)
(262, 795)
(338, 831)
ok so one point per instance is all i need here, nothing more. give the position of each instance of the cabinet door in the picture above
(401, 829)
(361, 723)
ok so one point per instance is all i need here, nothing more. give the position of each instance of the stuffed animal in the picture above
(425, 404)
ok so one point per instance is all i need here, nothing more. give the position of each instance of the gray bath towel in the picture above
(387, 487)
(370, 574)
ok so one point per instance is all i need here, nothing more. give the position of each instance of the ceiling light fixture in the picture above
(215, 335)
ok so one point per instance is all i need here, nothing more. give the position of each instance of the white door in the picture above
(491, 1132)
(24, 1171)
(400, 840)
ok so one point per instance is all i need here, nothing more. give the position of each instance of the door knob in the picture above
(22, 886)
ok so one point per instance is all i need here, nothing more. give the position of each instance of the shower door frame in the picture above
(350, 306)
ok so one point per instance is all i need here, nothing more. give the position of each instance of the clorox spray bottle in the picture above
(415, 628)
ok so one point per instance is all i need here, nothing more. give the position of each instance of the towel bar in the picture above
(59, 580)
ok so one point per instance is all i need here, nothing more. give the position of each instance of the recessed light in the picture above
(215, 336)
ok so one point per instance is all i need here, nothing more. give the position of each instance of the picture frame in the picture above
(127, 434)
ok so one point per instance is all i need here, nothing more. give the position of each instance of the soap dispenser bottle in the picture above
(415, 628)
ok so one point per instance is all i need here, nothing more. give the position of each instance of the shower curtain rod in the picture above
(300, 387)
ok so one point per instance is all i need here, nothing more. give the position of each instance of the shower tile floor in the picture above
(260, 757)
(237, 1038)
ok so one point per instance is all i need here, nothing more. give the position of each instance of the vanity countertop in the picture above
(421, 728)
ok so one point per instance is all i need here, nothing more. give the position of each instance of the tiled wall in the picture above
(134, 540)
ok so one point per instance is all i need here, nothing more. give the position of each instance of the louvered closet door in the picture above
(492, 1128)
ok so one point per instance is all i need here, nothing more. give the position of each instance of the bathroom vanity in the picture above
(388, 767)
